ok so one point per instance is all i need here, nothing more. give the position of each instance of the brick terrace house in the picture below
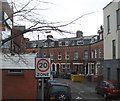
(82, 54)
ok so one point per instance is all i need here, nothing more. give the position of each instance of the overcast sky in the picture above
(68, 10)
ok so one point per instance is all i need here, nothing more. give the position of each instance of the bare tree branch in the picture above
(39, 25)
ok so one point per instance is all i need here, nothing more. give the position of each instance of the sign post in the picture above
(42, 69)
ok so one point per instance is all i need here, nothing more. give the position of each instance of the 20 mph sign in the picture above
(42, 67)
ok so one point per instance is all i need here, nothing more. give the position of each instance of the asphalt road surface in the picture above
(84, 91)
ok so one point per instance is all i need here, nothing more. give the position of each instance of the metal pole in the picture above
(42, 89)
(38, 46)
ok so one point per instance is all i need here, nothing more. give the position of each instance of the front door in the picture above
(118, 74)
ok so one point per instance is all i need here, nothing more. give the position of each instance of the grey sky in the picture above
(68, 10)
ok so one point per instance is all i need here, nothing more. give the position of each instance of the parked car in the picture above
(50, 81)
(54, 74)
(57, 92)
(108, 89)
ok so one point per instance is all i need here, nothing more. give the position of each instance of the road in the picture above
(84, 91)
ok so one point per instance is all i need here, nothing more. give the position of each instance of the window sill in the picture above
(15, 74)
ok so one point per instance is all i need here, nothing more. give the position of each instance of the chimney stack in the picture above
(79, 34)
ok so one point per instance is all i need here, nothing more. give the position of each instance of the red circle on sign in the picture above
(45, 61)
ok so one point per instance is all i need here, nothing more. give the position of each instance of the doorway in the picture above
(118, 74)
(109, 73)
(58, 68)
(53, 67)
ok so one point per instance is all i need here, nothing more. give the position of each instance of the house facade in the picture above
(81, 54)
(112, 41)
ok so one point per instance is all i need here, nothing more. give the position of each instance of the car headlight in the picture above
(52, 97)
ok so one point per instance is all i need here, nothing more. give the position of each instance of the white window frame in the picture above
(15, 71)
(60, 43)
(80, 42)
(59, 56)
(75, 55)
(67, 56)
(51, 56)
(44, 55)
(46, 44)
(66, 43)
(118, 19)
(65, 65)
(100, 52)
(108, 24)
(52, 44)
(92, 54)
(86, 54)
(95, 53)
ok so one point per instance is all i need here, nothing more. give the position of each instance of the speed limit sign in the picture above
(42, 67)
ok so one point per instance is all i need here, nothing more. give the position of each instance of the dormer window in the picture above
(73, 43)
(80, 42)
(52, 44)
(45, 44)
(66, 43)
(60, 43)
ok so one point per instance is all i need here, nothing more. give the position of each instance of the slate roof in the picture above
(34, 44)
(72, 41)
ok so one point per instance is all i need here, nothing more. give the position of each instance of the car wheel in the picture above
(105, 96)
(62, 97)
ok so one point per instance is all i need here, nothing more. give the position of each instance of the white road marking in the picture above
(79, 97)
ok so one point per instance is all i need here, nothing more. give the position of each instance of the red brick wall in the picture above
(63, 50)
(19, 86)
(98, 45)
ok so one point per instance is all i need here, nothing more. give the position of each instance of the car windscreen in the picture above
(57, 88)
(115, 85)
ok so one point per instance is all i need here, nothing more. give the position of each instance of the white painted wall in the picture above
(25, 61)
(110, 9)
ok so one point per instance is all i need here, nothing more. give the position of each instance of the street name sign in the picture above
(42, 67)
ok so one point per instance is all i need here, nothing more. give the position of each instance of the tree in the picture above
(27, 12)
(30, 13)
